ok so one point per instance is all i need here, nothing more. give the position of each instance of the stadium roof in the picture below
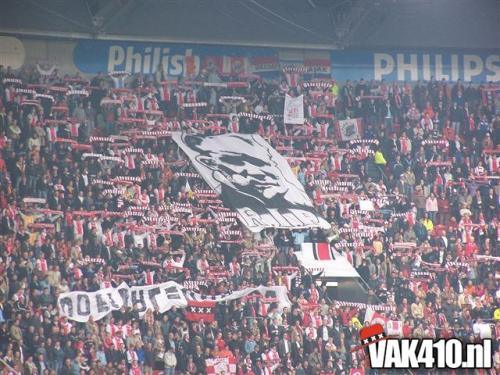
(293, 23)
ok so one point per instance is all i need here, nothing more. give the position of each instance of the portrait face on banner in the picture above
(252, 178)
(243, 173)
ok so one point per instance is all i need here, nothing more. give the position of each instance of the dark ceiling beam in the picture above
(99, 13)
(107, 13)
(361, 10)
(347, 16)
(123, 7)
(49, 11)
(285, 20)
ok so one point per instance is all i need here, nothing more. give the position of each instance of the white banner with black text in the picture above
(82, 306)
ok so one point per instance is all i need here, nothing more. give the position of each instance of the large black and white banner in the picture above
(82, 306)
(252, 178)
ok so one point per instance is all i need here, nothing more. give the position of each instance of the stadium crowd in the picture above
(94, 192)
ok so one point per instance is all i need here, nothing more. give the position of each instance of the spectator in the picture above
(431, 206)
(170, 361)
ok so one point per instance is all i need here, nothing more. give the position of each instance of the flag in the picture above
(320, 250)
(220, 365)
(198, 310)
(394, 328)
(293, 112)
(391, 327)
(350, 129)
(373, 317)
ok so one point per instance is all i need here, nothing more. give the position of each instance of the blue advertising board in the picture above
(93, 56)
(414, 65)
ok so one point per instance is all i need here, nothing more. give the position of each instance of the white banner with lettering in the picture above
(82, 306)
(294, 110)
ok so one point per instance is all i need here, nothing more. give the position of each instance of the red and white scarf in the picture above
(112, 329)
(77, 273)
(234, 268)
(160, 194)
(149, 277)
(292, 78)
(337, 163)
(314, 295)
(323, 132)
(235, 126)
(119, 239)
(52, 134)
(118, 343)
(165, 93)
(66, 327)
(78, 228)
(41, 265)
(492, 163)
(405, 145)
(130, 161)
(10, 94)
(73, 128)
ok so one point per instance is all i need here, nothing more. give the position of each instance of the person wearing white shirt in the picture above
(170, 361)
(131, 354)
(483, 330)
(312, 330)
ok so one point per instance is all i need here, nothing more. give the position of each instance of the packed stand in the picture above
(94, 192)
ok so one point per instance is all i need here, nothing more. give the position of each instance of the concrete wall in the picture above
(58, 52)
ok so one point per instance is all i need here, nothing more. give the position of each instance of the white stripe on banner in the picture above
(337, 267)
